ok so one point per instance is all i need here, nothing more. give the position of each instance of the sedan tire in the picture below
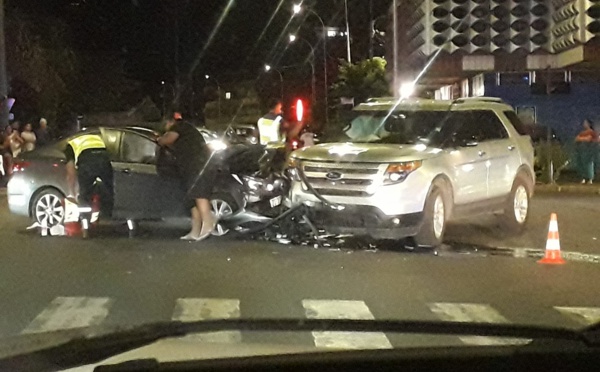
(222, 205)
(48, 208)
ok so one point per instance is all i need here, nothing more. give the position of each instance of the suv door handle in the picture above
(511, 147)
(481, 153)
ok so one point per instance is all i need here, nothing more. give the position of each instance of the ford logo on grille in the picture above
(333, 176)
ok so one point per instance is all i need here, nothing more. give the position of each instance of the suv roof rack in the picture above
(381, 99)
(479, 99)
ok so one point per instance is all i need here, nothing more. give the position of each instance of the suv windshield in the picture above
(401, 127)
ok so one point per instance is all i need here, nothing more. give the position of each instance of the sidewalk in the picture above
(573, 188)
(569, 182)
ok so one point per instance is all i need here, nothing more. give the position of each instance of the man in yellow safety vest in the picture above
(87, 161)
(270, 125)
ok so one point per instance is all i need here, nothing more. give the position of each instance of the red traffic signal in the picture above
(299, 110)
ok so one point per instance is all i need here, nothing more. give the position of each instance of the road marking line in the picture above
(70, 312)
(478, 313)
(338, 309)
(195, 309)
(582, 315)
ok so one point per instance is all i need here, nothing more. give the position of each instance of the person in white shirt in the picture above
(28, 137)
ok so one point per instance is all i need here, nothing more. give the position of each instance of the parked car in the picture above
(406, 169)
(39, 184)
(243, 133)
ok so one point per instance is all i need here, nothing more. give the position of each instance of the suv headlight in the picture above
(396, 173)
(293, 165)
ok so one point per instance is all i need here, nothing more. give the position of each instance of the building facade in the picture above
(532, 53)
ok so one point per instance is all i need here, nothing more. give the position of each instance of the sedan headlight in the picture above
(254, 184)
(217, 145)
(396, 173)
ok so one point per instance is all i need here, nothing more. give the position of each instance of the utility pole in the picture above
(372, 28)
(348, 33)
(3, 76)
(395, 48)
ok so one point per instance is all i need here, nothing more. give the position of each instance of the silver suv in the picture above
(404, 169)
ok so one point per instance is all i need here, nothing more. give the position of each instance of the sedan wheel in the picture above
(220, 209)
(48, 209)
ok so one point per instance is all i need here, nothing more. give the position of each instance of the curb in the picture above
(570, 189)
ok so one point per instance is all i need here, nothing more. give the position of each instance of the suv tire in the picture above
(435, 216)
(516, 211)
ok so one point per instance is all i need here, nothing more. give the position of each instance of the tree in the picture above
(42, 68)
(361, 80)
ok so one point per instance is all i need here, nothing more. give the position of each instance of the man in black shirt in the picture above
(192, 155)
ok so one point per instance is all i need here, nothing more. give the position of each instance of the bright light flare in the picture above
(297, 8)
(293, 38)
(267, 68)
(407, 89)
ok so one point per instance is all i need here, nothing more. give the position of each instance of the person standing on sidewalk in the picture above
(586, 149)
(42, 134)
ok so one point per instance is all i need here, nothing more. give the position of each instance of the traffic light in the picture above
(299, 110)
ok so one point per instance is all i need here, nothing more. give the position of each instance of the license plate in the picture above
(275, 201)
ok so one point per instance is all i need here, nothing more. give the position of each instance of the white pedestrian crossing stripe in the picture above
(70, 312)
(582, 315)
(478, 313)
(76, 312)
(195, 309)
(338, 309)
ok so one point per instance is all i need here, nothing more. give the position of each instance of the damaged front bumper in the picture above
(362, 220)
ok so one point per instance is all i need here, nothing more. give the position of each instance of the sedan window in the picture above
(111, 139)
(138, 149)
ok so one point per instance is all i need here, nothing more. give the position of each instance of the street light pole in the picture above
(218, 95)
(164, 98)
(3, 76)
(269, 68)
(395, 48)
(312, 66)
(297, 9)
(348, 32)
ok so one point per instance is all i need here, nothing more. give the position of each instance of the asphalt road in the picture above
(53, 283)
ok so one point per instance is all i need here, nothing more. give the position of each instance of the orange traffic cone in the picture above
(552, 255)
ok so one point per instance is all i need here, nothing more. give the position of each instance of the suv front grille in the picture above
(341, 179)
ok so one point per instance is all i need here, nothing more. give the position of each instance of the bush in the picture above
(547, 152)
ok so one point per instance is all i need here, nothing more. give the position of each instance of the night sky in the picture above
(152, 35)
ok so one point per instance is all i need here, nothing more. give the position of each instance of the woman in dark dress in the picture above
(192, 155)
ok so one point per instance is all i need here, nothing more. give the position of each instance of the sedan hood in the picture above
(366, 152)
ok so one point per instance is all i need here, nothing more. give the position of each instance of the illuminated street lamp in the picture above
(208, 77)
(293, 38)
(297, 9)
(268, 68)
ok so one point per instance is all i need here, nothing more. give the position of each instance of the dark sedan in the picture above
(142, 191)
